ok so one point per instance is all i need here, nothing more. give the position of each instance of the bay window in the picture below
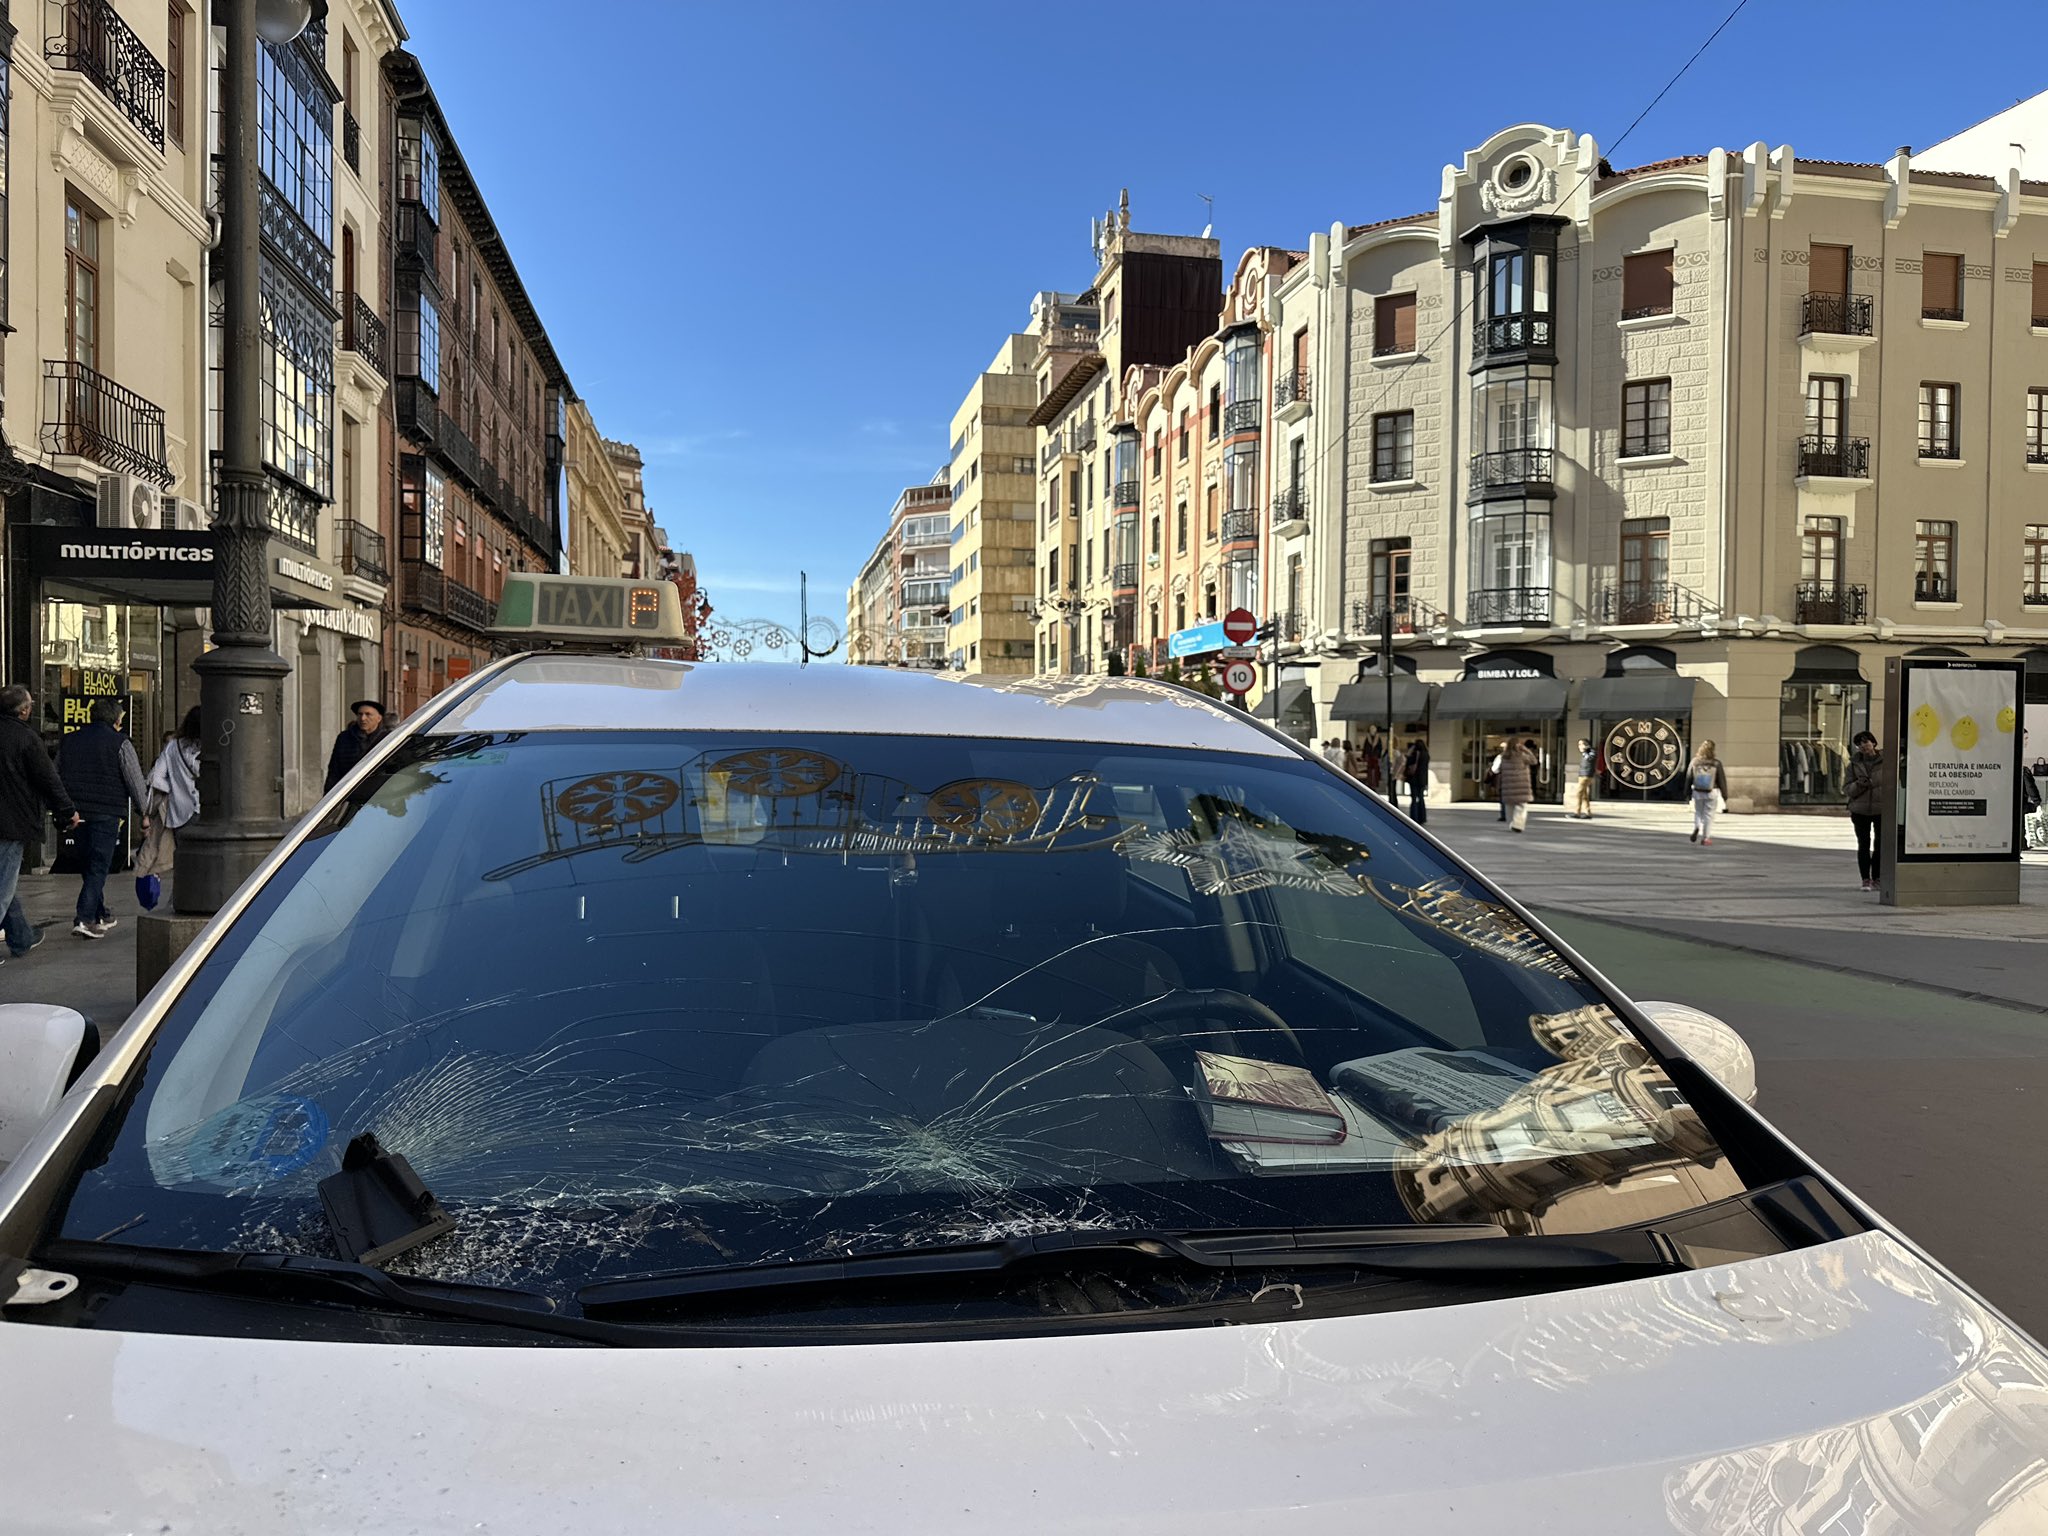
(1511, 563)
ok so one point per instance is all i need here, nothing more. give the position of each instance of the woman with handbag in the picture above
(173, 800)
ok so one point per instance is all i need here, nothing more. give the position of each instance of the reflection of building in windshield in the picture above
(1958, 1459)
(1445, 905)
(1597, 1141)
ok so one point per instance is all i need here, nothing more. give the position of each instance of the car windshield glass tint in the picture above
(643, 1001)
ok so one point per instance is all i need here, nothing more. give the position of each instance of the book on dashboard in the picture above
(1367, 1145)
(1244, 1099)
(1422, 1092)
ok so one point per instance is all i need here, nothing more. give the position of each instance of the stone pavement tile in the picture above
(95, 977)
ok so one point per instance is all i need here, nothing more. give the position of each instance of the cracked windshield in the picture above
(632, 1002)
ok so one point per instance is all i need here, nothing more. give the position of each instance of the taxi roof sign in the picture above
(592, 609)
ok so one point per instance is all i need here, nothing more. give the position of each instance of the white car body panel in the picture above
(1758, 1396)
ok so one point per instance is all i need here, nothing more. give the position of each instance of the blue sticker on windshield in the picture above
(290, 1136)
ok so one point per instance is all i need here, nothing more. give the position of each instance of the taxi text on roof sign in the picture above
(589, 608)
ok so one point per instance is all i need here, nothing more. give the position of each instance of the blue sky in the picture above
(774, 242)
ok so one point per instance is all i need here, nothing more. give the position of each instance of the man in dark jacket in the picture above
(364, 735)
(28, 786)
(102, 775)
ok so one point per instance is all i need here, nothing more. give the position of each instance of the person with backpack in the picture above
(1415, 774)
(1866, 804)
(1709, 783)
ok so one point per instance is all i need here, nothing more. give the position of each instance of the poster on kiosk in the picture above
(1957, 797)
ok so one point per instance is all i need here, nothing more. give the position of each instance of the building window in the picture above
(297, 144)
(1155, 535)
(1152, 621)
(1827, 409)
(1646, 287)
(1088, 561)
(1645, 570)
(1158, 454)
(298, 386)
(1511, 564)
(1180, 529)
(1820, 553)
(419, 339)
(81, 285)
(1645, 417)
(1393, 325)
(1934, 554)
(419, 170)
(1209, 515)
(1216, 395)
(1390, 584)
(2034, 566)
(2037, 426)
(1938, 421)
(1297, 467)
(174, 75)
(1180, 611)
(1941, 287)
(1300, 361)
(433, 517)
(2041, 295)
(1393, 446)
(1290, 625)
(1208, 599)
(1182, 455)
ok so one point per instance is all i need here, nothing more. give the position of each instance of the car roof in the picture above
(608, 693)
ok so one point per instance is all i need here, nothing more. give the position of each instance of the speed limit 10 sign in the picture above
(1239, 677)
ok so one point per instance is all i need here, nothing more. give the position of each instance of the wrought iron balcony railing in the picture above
(1835, 458)
(458, 451)
(1515, 333)
(1290, 505)
(1291, 388)
(1080, 436)
(1513, 466)
(2037, 452)
(1125, 494)
(1240, 527)
(1410, 615)
(1938, 313)
(98, 44)
(1508, 605)
(2035, 599)
(1124, 577)
(1055, 445)
(1933, 587)
(430, 589)
(352, 141)
(1241, 416)
(1940, 448)
(1289, 625)
(1651, 602)
(89, 416)
(1829, 602)
(363, 333)
(1835, 314)
(362, 550)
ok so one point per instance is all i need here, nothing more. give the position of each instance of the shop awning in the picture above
(1649, 692)
(1501, 698)
(1289, 697)
(1367, 699)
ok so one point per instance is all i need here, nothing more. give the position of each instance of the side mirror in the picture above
(41, 1049)
(1714, 1045)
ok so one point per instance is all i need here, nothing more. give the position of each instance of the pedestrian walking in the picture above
(102, 775)
(1709, 781)
(173, 797)
(1866, 804)
(364, 734)
(1517, 783)
(1582, 803)
(1493, 780)
(1415, 774)
(29, 786)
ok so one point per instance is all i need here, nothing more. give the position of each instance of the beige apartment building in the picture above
(897, 609)
(596, 505)
(1660, 454)
(993, 470)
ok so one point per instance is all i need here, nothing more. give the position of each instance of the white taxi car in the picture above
(651, 1096)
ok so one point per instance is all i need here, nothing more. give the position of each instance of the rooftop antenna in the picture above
(1210, 227)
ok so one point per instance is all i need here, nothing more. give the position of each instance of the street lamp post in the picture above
(241, 679)
(1070, 607)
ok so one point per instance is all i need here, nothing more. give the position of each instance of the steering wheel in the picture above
(1154, 1020)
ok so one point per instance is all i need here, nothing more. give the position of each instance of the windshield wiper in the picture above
(313, 1277)
(1447, 1254)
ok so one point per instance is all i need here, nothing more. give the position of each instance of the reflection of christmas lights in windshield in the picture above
(994, 808)
(777, 773)
(617, 799)
(1246, 854)
(1445, 906)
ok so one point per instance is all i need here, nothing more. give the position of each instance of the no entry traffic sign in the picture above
(1238, 627)
(1239, 676)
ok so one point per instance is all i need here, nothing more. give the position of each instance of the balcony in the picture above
(351, 141)
(458, 452)
(1834, 322)
(362, 550)
(86, 415)
(1290, 395)
(1055, 445)
(1125, 494)
(1651, 602)
(1517, 470)
(1508, 605)
(1289, 625)
(924, 594)
(1241, 416)
(1081, 437)
(419, 411)
(932, 538)
(429, 589)
(363, 333)
(1410, 614)
(1828, 602)
(1240, 527)
(1933, 587)
(1514, 335)
(417, 244)
(1290, 511)
(1124, 577)
(99, 45)
(1845, 460)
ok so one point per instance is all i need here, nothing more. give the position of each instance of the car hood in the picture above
(1765, 1395)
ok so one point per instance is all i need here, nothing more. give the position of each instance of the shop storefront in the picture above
(1639, 718)
(1288, 705)
(1370, 714)
(1506, 696)
(1821, 707)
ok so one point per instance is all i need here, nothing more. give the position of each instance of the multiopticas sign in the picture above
(137, 551)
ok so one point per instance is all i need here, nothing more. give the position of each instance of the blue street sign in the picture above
(1198, 640)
